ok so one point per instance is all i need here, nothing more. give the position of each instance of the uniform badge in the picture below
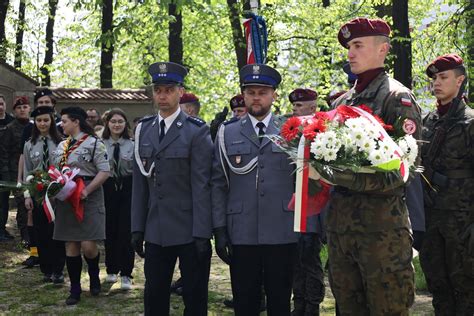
(409, 126)
(256, 69)
(433, 69)
(345, 32)
(36, 154)
(238, 159)
(163, 68)
(179, 124)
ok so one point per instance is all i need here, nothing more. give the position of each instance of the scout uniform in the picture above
(308, 283)
(252, 184)
(119, 254)
(369, 238)
(39, 155)
(171, 202)
(445, 256)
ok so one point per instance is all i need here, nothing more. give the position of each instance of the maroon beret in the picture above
(21, 101)
(188, 98)
(443, 63)
(362, 27)
(237, 102)
(303, 95)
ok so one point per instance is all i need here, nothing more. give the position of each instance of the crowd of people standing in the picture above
(166, 190)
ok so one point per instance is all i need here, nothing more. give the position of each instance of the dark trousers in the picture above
(52, 253)
(271, 265)
(159, 268)
(21, 215)
(4, 206)
(119, 254)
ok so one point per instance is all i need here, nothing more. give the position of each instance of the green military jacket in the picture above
(12, 143)
(374, 202)
(454, 160)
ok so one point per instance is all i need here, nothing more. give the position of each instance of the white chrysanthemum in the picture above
(330, 155)
(377, 157)
(29, 178)
(367, 145)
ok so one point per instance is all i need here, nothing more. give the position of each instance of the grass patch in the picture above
(420, 281)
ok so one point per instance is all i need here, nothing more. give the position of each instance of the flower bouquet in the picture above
(345, 139)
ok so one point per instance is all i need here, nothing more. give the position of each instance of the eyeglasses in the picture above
(117, 122)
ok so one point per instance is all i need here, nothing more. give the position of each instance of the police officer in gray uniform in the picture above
(252, 183)
(171, 197)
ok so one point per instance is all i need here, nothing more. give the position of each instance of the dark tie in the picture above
(261, 130)
(45, 153)
(162, 129)
(116, 162)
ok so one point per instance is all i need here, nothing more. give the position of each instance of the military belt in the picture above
(348, 192)
(443, 180)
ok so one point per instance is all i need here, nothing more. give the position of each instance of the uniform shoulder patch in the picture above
(196, 120)
(231, 120)
(147, 118)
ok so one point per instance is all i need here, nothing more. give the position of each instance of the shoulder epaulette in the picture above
(196, 120)
(147, 118)
(231, 120)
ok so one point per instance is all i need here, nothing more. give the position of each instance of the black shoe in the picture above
(31, 262)
(57, 278)
(95, 287)
(176, 284)
(229, 302)
(73, 299)
(47, 278)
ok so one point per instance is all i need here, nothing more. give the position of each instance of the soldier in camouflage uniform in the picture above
(447, 253)
(12, 143)
(369, 239)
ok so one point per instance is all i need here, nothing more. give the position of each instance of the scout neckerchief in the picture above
(69, 146)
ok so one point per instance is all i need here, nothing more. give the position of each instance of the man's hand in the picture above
(137, 243)
(29, 204)
(203, 248)
(217, 121)
(223, 246)
(468, 238)
(84, 194)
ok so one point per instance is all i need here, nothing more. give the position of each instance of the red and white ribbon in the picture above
(301, 189)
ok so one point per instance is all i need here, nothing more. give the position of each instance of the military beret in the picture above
(189, 98)
(21, 101)
(443, 63)
(259, 75)
(362, 27)
(42, 110)
(42, 93)
(303, 95)
(74, 112)
(237, 101)
(167, 73)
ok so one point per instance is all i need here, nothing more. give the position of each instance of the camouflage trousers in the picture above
(308, 281)
(448, 269)
(21, 215)
(372, 273)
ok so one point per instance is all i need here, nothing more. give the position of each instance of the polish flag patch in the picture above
(405, 101)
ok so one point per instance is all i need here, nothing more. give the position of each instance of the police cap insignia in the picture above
(259, 75)
(163, 68)
(167, 73)
(256, 69)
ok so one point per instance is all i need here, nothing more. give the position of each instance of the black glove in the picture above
(137, 243)
(468, 238)
(418, 239)
(307, 241)
(217, 121)
(203, 248)
(223, 246)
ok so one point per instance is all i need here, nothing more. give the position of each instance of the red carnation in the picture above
(386, 127)
(365, 108)
(346, 112)
(311, 130)
(39, 187)
(290, 129)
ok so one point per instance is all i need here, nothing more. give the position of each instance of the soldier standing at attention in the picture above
(171, 197)
(5, 118)
(308, 283)
(254, 234)
(369, 239)
(447, 252)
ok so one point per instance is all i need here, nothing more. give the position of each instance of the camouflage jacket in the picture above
(454, 160)
(374, 202)
(13, 149)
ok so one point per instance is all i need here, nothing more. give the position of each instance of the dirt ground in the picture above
(23, 292)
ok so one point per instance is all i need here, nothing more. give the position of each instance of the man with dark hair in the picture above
(5, 118)
(447, 252)
(93, 117)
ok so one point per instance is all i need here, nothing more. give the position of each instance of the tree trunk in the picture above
(326, 3)
(237, 33)
(175, 47)
(401, 43)
(3, 15)
(107, 44)
(48, 55)
(19, 34)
